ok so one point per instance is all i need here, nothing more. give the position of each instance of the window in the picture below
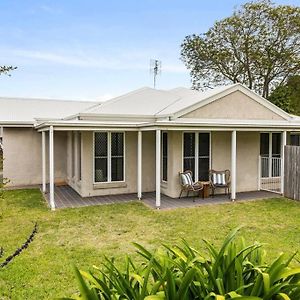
(295, 139)
(189, 152)
(165, 156)
(203, 165)
(108, 156)
(196, 154)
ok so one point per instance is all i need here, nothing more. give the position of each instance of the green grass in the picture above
(83, 236)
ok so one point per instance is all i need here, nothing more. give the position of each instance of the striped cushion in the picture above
(186, 179)
(219, 179)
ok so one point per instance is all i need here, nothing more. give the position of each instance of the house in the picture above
(138, 142)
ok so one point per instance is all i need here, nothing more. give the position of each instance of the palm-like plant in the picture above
(235, 271)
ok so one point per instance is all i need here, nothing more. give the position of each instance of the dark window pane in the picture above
(264, 144)
(117, 156)
(189, 164)
(295, 140)
(189, 144)
(100, 169)
(117, 169)
(165, 156)
(203, 169)
(203, 144)
(117, 144)
(100, 143)
(276, 143)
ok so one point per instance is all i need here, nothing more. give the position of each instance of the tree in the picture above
(287, 96)
(259, 46)
(3, 70)
(6, 69)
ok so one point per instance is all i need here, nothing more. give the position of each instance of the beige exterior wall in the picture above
(23, 156)
(22, 152)
(236, 105)
(247, 169)
(172, 187)
(74, 161)
(88, 188)
(248, 147)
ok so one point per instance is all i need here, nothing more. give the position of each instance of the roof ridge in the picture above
(115, 99)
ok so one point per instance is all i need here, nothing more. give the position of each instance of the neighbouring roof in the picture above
(24, 110)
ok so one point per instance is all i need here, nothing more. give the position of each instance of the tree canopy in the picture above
(259, 46)
(287, 96)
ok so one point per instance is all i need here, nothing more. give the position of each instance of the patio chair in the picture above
(188, 185)
(220, 179)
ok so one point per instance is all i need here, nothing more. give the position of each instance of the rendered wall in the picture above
(88, 188)
(248, 145)
(236, 105)
(247, 159)
(23, 156)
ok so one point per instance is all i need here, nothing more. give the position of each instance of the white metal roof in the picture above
(24, 110)
(142, 102)
(152, 102)
(137, 108)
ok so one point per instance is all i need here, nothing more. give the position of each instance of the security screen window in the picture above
(204, 151)
(189, 152)
(165, 156)
(109, 157)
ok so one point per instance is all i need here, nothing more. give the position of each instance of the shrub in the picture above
(235, 271)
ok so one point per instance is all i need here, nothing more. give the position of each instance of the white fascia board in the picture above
(82, 124)
(232, 123)
(115, 117)
(231, 89)
(16, 124)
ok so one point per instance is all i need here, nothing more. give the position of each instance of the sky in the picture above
(95, 49)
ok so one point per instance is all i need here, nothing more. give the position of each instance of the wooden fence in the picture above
(292, 172)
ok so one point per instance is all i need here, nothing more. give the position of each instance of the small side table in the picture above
(206, 188)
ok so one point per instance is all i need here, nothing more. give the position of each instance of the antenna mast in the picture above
(155, 69)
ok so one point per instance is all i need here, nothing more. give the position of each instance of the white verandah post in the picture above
(233, 165)
(139, 166)
(44, 161)
(283, 143)
(51, 168)
(158, 171)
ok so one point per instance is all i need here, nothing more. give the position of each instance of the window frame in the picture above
(162, 155)
(109, 157)
(196, 175)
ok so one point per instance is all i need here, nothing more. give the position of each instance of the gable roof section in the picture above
(25, 111)
(158, 104)
(189, 98)
(215, 94)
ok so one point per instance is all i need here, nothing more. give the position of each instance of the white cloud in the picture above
(137, 61)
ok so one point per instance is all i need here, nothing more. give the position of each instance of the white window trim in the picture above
(162, 165)
(109, 158)
(196, 151)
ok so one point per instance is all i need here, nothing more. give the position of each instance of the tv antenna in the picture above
(155, 69)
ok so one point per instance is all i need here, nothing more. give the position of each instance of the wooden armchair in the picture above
(220, 179)
(188, 185)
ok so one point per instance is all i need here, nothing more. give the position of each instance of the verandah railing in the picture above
(270, 173)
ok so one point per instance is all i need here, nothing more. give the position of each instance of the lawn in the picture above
(83, 236)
